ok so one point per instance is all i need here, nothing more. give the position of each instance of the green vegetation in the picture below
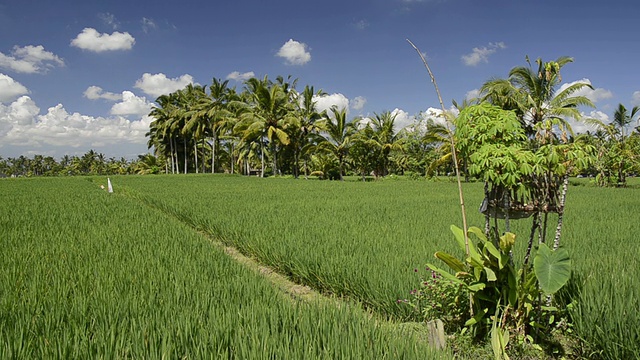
(87, 274)
(364, 240)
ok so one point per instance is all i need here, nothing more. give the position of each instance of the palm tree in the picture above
(302, 127)
(267, 116)
(336, 136)
(163, 131)
(385, 139)
(213, 110)
(535, 97)
(195, 126)
(611, 139)
(621, 120)
(543, 109)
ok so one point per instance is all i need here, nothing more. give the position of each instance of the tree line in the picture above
(91, 163)
(269, 127)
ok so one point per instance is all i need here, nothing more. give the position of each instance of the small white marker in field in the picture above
(109, 185)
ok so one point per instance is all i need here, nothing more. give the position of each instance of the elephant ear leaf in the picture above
(552, 268)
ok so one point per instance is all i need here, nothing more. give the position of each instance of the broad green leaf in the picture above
(507, 241)
(552, 268)
(459, 235)
(476, 318)
(476, 287)
(491, 275)
(477, 232)
(455, 264)
(445, 274)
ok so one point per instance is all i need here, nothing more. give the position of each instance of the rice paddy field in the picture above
(134, 274)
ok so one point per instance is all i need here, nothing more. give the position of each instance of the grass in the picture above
(364, 240)
(357, 240)
(86, 274)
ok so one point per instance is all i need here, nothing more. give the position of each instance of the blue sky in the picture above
(80, 75)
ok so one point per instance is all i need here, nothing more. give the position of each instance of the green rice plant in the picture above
(364, 240)
(87, 274)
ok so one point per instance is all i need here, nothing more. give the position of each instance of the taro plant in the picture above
(504, 297)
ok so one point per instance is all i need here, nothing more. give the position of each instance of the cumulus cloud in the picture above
(579, 127)
(148, 24)
(22, 125)
(325, 102)
(295, 53)
(10, 89)
(96, 92)
(131, 105)
(403, 119)
(481, 54)
(92, 40)
(358, 103)
(237, 76)
(29, 59)
(159, 84)
(594, 95)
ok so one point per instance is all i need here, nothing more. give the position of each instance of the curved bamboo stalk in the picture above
(453, 149)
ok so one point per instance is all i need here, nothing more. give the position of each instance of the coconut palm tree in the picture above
(212, 112)
(384, 139)
(267, 116)
(536, 97)
(164, 130)
(336, 135)
(303, 127)
(621, 120)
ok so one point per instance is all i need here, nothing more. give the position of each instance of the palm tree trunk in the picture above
(275, 160)
(195, 152)
(185, 156)
(232, 158)
(171, 151)
(262, 158)
(213, 155)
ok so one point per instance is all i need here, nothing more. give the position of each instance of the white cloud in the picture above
(29, 59)
(109, 19)
(21, 125)
(594, 95)
(635, 98)
(358, 103)
(131, 105)
(96, 92)
(403, 119)
(435, 115)
(148, 24)
(295, 53)
(325, 102)
(362, 24)
(481, 54)
(472, 94)
(90, 39)
(237, 76)
(159, 84)
(10, 89)
(19, 113)
(581, 127)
